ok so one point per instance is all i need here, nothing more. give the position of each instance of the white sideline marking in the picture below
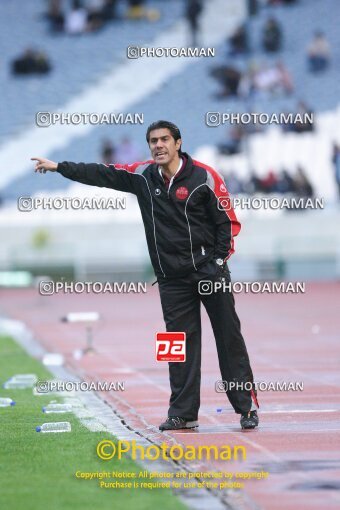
(287, 411)
(267, 431)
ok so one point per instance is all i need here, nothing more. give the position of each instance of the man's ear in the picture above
(178, 143)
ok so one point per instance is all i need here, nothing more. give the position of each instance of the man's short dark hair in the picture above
(165, 124)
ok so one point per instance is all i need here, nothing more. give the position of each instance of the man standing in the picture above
(190, 235)
(193, 12)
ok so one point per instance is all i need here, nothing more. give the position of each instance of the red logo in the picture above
(182, 193)
(170, 346)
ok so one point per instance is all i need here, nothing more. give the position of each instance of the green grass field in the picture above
(38, 470)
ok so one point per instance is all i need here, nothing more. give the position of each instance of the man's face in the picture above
(163, 146)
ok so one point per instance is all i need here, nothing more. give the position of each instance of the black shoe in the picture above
(177, 423)
(249, 420)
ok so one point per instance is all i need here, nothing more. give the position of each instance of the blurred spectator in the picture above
(94, 14)
(136, 9)
(127, 151)
(253, 7)
(229, 78)
(246, 85)
(232, 146)
(234, 184)
(336, 162)
(252, 185)
(252, 127)
(266, 78)
(303, 127)
(80, 19)
(193, 12)
(272, 78)
(109, 10)
(285, 183)
(100, 12)
(31, 62)
(268, 184)
(76, 19)
(239, 41)
(271, 36)
(55, 16)
(108, 153)
(318, 53)
(285, 78)
(302, 187)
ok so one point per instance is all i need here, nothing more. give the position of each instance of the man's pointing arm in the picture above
(120, 177)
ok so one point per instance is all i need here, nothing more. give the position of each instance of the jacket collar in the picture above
(184, 171)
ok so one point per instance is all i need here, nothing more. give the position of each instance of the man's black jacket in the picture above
(186, 225)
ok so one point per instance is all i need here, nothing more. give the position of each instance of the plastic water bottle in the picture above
(6, 402)
(57, 408)
(60, 426)
(20, 381)
(73, 402)
(25, 377)
(53, 359)
(222, 410)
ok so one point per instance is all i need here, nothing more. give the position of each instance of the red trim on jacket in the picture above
(132, 167)
(223, 194)
(254, 397)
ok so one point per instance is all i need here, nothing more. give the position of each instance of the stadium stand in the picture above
(99, 77)
(178, 93)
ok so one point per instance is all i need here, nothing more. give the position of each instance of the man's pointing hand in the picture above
(43, 165)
